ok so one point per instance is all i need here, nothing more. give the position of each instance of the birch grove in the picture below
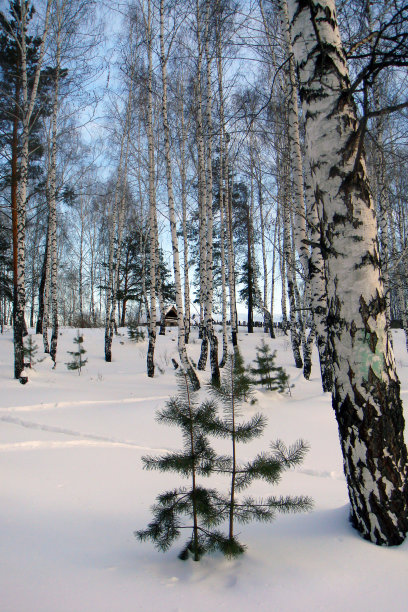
(224, 169)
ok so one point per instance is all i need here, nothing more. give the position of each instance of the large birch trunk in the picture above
(366, 391)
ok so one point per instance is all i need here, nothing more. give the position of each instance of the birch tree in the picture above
(366, 390)
(29, 96)
(188, 368)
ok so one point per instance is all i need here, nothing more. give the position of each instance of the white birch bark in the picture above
(212, 337)
(52, 201)
(109, 308)
(27, 106)
(295, 337)
(152, 197)
(202, 197)
(267, 315)
(317, 287)
(273, 266)
(185, 362)
(47, 291)
(183, 177)
(294, 139)
(224, 186)
(222, 247)
(366, 392)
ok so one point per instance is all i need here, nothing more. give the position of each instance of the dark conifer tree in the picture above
(206, 507)
(77, 362)
(266, 372)
(30, 352)
(266, 466)
(202, 506)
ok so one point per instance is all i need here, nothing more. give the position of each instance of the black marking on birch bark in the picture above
(108, 346)
(204, 350)
(150, 353)
(385, 461)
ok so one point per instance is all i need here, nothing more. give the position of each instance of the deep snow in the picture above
(73, 491)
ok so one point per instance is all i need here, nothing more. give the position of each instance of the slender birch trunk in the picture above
(188, 368)
(116, 229)
(225, 187)
(40, 315)
(27, 105)
(275, 236)
(282, 265)
(183, 177)
(317, 285)
(267, 316)
(290, 271)
(250, 246)
(52, 201)
(152, 199)
(202, 200)
(222, 246)
(366, 390)
(47, 275)
(212, 337)
(300, 233)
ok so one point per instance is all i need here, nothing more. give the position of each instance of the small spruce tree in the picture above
(134, 333)
(206, 507)
(243, 383)
(203, 506)
(266, 466)
(30, 352)
(266, 372)
(77, 362)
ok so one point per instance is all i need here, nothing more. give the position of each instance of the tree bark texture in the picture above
(188, 368)
(366, 390)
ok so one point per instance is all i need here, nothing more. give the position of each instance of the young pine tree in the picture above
(77, 362)
(267, 373)
(243, 383)
(205, 507)
(201, 506)
(265, 466)
(30, 352)
(135, 333)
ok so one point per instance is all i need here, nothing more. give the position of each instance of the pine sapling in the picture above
(266, 466)
(266, 372)
(201, 505)
(243, 383)
(77, 362)
(30, 352)
(135, 333)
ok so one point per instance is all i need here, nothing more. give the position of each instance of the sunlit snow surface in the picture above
(73, 491)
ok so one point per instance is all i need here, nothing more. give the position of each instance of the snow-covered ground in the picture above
(73, 491)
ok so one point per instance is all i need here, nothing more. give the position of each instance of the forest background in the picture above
(133, 132)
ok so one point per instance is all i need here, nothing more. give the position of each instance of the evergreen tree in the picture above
(203, 506)
(206, 507)
(135, 333)
(243, 383)
(268, 374)
(77, 362)
(265, 466)
(30, 351)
